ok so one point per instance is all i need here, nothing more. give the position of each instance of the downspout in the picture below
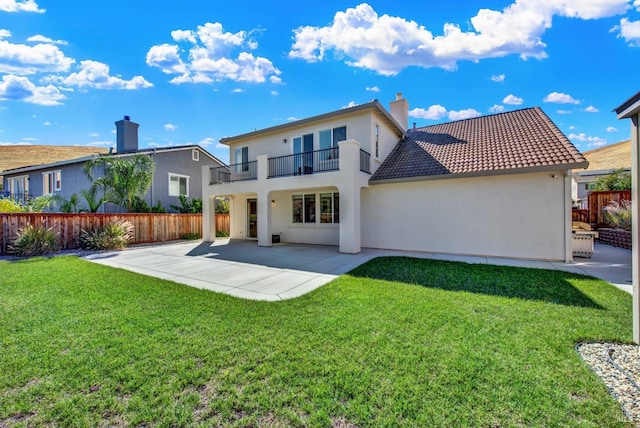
(568, 237)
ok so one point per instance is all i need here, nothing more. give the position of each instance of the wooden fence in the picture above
(597, 201)
(222, 223)
(147, 227)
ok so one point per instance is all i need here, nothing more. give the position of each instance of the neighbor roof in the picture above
(517, 141)
(86, 158)
(629, 108)
(371, 105)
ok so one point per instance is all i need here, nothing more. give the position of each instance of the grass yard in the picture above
(397, 342)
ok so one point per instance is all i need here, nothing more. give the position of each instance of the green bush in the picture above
(188, 207)
(8, 205)
(113, 236)
(618, 214)
(33, 241)
(222, 234)
(191, 236)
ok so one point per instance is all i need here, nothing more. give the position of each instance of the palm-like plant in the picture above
(91, 197)
(122, 179)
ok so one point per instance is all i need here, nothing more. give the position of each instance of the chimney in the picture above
(127, 135)
(400, 111)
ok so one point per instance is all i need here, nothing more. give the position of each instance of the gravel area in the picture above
(618, 366)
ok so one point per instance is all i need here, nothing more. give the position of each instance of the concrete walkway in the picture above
(284, 271)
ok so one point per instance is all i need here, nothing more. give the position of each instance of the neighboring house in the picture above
(178, 171)
(497, 185)
(602, 162)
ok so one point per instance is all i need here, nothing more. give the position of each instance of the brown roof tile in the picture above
(504, 142)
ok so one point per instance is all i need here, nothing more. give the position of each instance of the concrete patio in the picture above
(284, 271)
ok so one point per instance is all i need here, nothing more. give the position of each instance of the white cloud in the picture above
(44, 39)
(210, 57)
(388, 44)
(629, 31)
(100, 144)
(274, 92)
(292, 118)
(591, 109)
(512, 100)
(434, 112)
(496, 108)
(7, 143)
(170, 127)
(206, 142)
(47, 123)
(238, 91)
(20, 88)
(560, 98)
(94, 135)
(29, 139)
(464, 114)
(20, 6)
(564, 111)
(94, 74)
(499, 78)
(592, 141)
(23, 59)
(351, 104)
(372, 89)
(611, 129)
(573, 127)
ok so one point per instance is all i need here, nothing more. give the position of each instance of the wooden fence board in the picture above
(597, 201)
(148, 228)
(223, 223)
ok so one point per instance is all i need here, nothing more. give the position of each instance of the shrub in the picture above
(222, 206)
(617, 180)
(188, 207)
(222, 234)
(33, 241)
(113, 236)
(191, 236)
(8, 205)
(618, 214)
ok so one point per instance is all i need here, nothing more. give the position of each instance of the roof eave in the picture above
(372, 105)
(487, 173)
(629, 108)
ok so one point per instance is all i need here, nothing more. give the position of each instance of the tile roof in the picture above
(515, 141)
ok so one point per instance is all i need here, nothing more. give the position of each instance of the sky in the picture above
(193, 72)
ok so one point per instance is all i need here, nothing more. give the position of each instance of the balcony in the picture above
(306, 163)
(236, 172)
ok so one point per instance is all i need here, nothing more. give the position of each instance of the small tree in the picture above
(122, 178)
(91, 197)
(617, 180)
(222, 206)
(188, 207)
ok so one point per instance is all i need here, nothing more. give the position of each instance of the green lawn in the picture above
(397, 342)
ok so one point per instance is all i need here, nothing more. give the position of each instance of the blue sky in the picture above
(194, 72)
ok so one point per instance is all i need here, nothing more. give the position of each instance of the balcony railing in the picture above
(19, 198)
(304, 163)
(365, 162)
(236, 172)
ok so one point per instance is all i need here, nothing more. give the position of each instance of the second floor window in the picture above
(242, 159)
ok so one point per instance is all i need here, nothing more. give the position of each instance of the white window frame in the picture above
(241, 155)
(195, 155)
(179, 176)
(51, 182)
(376, 141)
(25, 184)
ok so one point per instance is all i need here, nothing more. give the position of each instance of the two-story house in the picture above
(497, 185)
(178, 171)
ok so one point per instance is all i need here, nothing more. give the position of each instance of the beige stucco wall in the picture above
(517, 215)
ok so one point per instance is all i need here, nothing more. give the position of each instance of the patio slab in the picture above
(285, 271)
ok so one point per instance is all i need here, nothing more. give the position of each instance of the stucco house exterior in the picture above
(497, 185)
(178, 171)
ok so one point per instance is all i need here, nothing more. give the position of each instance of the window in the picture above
(377, 141)
(195, 155)
(19, 186)
(304, 208)
(178, 185)
(329, 138)
(51, 182)
(242, 159)
(329, 208)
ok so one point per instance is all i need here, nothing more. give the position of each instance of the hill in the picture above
(613, 156)
(19, 156)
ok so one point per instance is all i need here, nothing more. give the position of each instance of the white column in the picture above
(349, 189)
(208, 218)
(635, 226)
(568, 238)
(264, 202)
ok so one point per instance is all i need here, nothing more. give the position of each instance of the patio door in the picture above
(252, 218)
(303, 154)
